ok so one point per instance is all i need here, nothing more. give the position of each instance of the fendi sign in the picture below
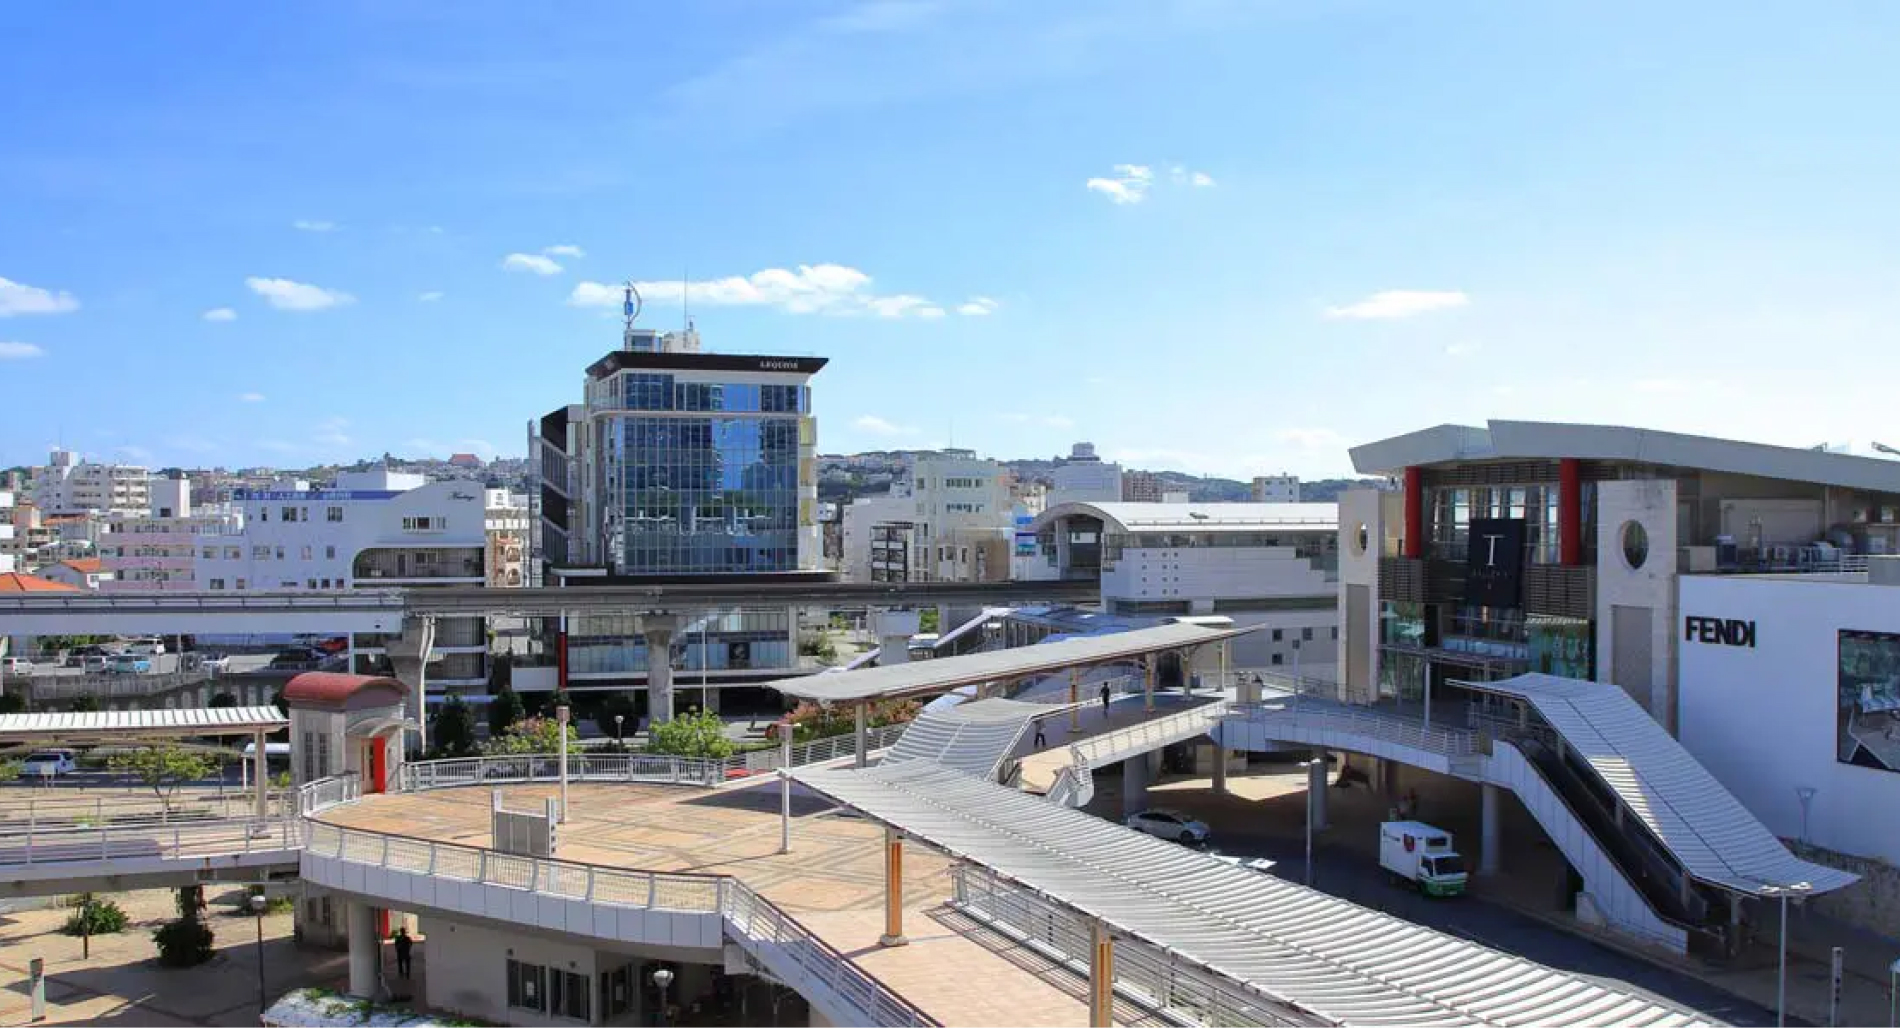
(1719, 631)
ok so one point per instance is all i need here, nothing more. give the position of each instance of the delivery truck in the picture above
(1421, 856)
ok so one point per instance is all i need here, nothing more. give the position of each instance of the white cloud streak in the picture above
(977, 307)
(533, 262)
(430, 297)
(20, 298)
(286, 295)
(874, 425)
(809, 289)
(19, 351)
(1129, 184)
(220, 314)
(1400, 303)
(565, 250)
(309, 225)
(251, 397)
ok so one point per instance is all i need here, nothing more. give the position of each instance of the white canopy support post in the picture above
(785, 787)
(1075, 701)
(262, 774)
(560, 716)
(860, 742)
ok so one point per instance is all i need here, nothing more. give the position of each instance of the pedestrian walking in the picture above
(404, 944)
(1041, 739)
(1105, 695)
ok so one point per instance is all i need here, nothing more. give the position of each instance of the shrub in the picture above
(699, 734)
(454, 729)
(504, 710)
(185, 942)
(95, 917)
(811, 722)
(535, 735)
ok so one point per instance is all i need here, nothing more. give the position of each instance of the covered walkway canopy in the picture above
(99, 726)
(1296, 947)
(934, 676)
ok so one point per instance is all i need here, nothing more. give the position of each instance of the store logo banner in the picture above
(1494, 563)
(1719, 631)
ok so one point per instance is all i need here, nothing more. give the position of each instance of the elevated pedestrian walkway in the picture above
(1664, 852)
(973, 738)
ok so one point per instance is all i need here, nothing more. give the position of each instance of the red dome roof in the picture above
(329, 689)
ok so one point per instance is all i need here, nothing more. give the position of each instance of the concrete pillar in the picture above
(1075, 701)
(1135, 784)
(1220, 769)
(261, 775)
(1101, 976)
(893, 890)
(658, 631)
(710, 699)
(366, 950)
(894, 629)
(1490, 853)
(1388, 777)
(409, 656)
(1316, 789)
(861, 742)
(1148, 683)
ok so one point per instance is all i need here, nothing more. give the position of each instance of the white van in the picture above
(149, 646)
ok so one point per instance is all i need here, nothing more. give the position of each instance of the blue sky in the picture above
(1223, 237)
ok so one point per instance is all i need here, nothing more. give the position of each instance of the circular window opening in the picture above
(1635, 544)
(1361, 539)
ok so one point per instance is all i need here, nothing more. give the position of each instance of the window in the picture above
(1335, 633)
(211, 553)
(567, 994)
(260, 553)
(1276, 660)
(232, 552)
(435, 524)
(310, 583)
(333, 514)
(306, 553)
(1306, 635)
(290, 513)
(329, 553)
(217, 583)
(263, 513)
(524, 986)
(240, 583)
(1276, 635)
(280, 553)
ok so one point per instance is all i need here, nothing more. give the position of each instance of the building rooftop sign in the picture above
(314, 495)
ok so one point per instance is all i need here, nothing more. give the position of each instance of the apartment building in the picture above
(158, 550)
(7, 562)
(1276, 489)
(1141, 487)
(65, 484)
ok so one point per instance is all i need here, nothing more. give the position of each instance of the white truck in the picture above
(1421, 856)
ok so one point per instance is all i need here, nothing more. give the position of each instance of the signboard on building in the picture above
(1494, 563)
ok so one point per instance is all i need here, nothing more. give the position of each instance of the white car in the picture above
(49, 764)
(15, 666)
(1166, 824)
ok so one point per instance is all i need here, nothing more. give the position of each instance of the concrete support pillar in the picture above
(893, 890)
(1101, 976)
(1226, 662)
(1316, 789)
(261, 775)
(1075, 700)
(657, 630)
(1220, 768)
(709, 699)
(409, 656)
(366, 950)
(894, 629)
(1148, 684)
(861, 740)
(1490, 852)
(1388, 777)
(1135, 784)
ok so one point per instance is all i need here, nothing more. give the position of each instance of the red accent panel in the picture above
(1569, 512)
(382, 922)
(378, 766)
(1414, 541)
(560, 659)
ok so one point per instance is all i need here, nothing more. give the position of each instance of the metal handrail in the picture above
(423, 775)
(1169, 728)
(1396, 728)
(68, 844)
(762, 929)
(324, 793)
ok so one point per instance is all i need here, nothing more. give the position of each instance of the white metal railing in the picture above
(1180, 989)
(324, 793)
(52, 807)
(818, 751)
(1152, 734)
(1353, 720)
(1074, 784)
(772, 937)
(423, 775)
(180, 840)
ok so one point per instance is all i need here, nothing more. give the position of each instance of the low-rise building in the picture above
(1141, 487)
(1276, 489)
(158, 551)
(87, 573)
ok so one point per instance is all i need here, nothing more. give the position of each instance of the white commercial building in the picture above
(1085, 478)
(1276, 489)
(158, 550)
(1790, 695)
(67, 485)
(1271, 564)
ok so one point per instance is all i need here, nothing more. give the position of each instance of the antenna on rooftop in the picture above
(686, 295)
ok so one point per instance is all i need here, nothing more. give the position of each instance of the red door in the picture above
(378, 769)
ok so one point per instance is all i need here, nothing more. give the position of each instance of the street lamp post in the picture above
(1893, 995)
(663, 978)
(620, 734)
(1781, 973)
(1308, 765)
(258, 903)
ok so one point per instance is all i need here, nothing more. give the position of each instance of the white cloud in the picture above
(220, 314)
(308, 225)
(1184, 176)
(251, 397)
(977, 307)
(1400, 303)
(874, 425)
(565, 250)
(136, 453)
(1201, 180)
(530, 262)
(1049, 420)
(430, 297)
(286, 295)
(1129, 184)
(1461, 349)
(810, 289)
(1312, 438)
(20, 298)
(19, 351)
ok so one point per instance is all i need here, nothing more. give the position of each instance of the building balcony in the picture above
(419, 565)
(148, 563)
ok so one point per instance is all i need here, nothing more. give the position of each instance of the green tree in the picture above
(186, 942)
(9, 770)
(927, 620)
(453, 729)
(95, 916)
(164, 768)
(84, 704)
(698, 734)
(223, 699)
(535, 735)
(12, 703)
(503, 711)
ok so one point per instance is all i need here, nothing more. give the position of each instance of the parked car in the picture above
(128, 664)
(92, 665)
(49, 764)
(147, 646)
(295, 660)
(1166, 824)
(15, 666)
(216, 663)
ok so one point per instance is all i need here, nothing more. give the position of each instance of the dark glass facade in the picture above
(702, 494)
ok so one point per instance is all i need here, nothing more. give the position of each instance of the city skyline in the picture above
(1292, 231)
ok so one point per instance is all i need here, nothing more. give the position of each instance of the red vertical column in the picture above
(1414, 542)
(1569, 512)
(560, 655)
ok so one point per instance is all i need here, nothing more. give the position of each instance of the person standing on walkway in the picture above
(1105, 695)
(404, 944)
(1041, 739)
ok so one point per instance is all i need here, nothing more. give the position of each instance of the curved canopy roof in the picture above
(934, 676)
(109, 725)
(1199, 517)
(333, 691)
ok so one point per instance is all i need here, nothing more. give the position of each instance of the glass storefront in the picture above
(1452, 510)
(1868, 690)
(1562, 646)
(611, 644)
